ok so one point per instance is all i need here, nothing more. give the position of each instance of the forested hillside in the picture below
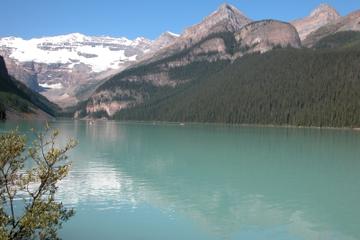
(15, 96)
(348, 39)
(309, 87)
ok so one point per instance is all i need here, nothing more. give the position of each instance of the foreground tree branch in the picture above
(28, 207)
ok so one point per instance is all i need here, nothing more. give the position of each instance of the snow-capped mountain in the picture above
(99, 53)
(62, 66)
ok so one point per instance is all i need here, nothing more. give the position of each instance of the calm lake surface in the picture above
(166, 181)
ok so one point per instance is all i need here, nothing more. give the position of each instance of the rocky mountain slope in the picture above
(223, 36)
(256, 72)
(351, 22)
(19, 101)
(285, 86)
(165, 40)
(62, 66)
(321, 16)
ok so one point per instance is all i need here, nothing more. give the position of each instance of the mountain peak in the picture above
(319, 17)
(227, 7)
(167, 35)
(325, 9)
(164, 40)
(225, 18)
(228, 10)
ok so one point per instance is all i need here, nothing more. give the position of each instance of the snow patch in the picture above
(51, 86)
(173, 34)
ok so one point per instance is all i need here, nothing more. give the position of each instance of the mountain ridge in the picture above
(227, 37)
(284, 86)
(168, 62)
(159, 89)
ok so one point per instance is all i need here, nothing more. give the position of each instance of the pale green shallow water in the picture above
(145, 181)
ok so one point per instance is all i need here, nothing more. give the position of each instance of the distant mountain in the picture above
(19, 101)
(166, 39)
(223, 36)
(321, 16)
(61, 66)
(351, 22)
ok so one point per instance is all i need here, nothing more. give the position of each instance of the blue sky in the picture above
(133, 18)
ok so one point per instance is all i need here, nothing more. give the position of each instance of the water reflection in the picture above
(232, 183)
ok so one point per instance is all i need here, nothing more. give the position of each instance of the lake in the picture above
(209, 182)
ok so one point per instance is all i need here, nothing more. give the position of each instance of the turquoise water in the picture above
(166, 181)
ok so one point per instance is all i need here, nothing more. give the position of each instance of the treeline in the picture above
(2, 112)
(304, 87)
(347, 39)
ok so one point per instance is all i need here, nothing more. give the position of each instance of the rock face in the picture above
(263, 36)
(225, 35)
(321, 16)
(350, 22)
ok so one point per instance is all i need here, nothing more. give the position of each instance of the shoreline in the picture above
(222, 124)
(355, 129)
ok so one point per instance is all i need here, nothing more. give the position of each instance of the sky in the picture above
(135, 18)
